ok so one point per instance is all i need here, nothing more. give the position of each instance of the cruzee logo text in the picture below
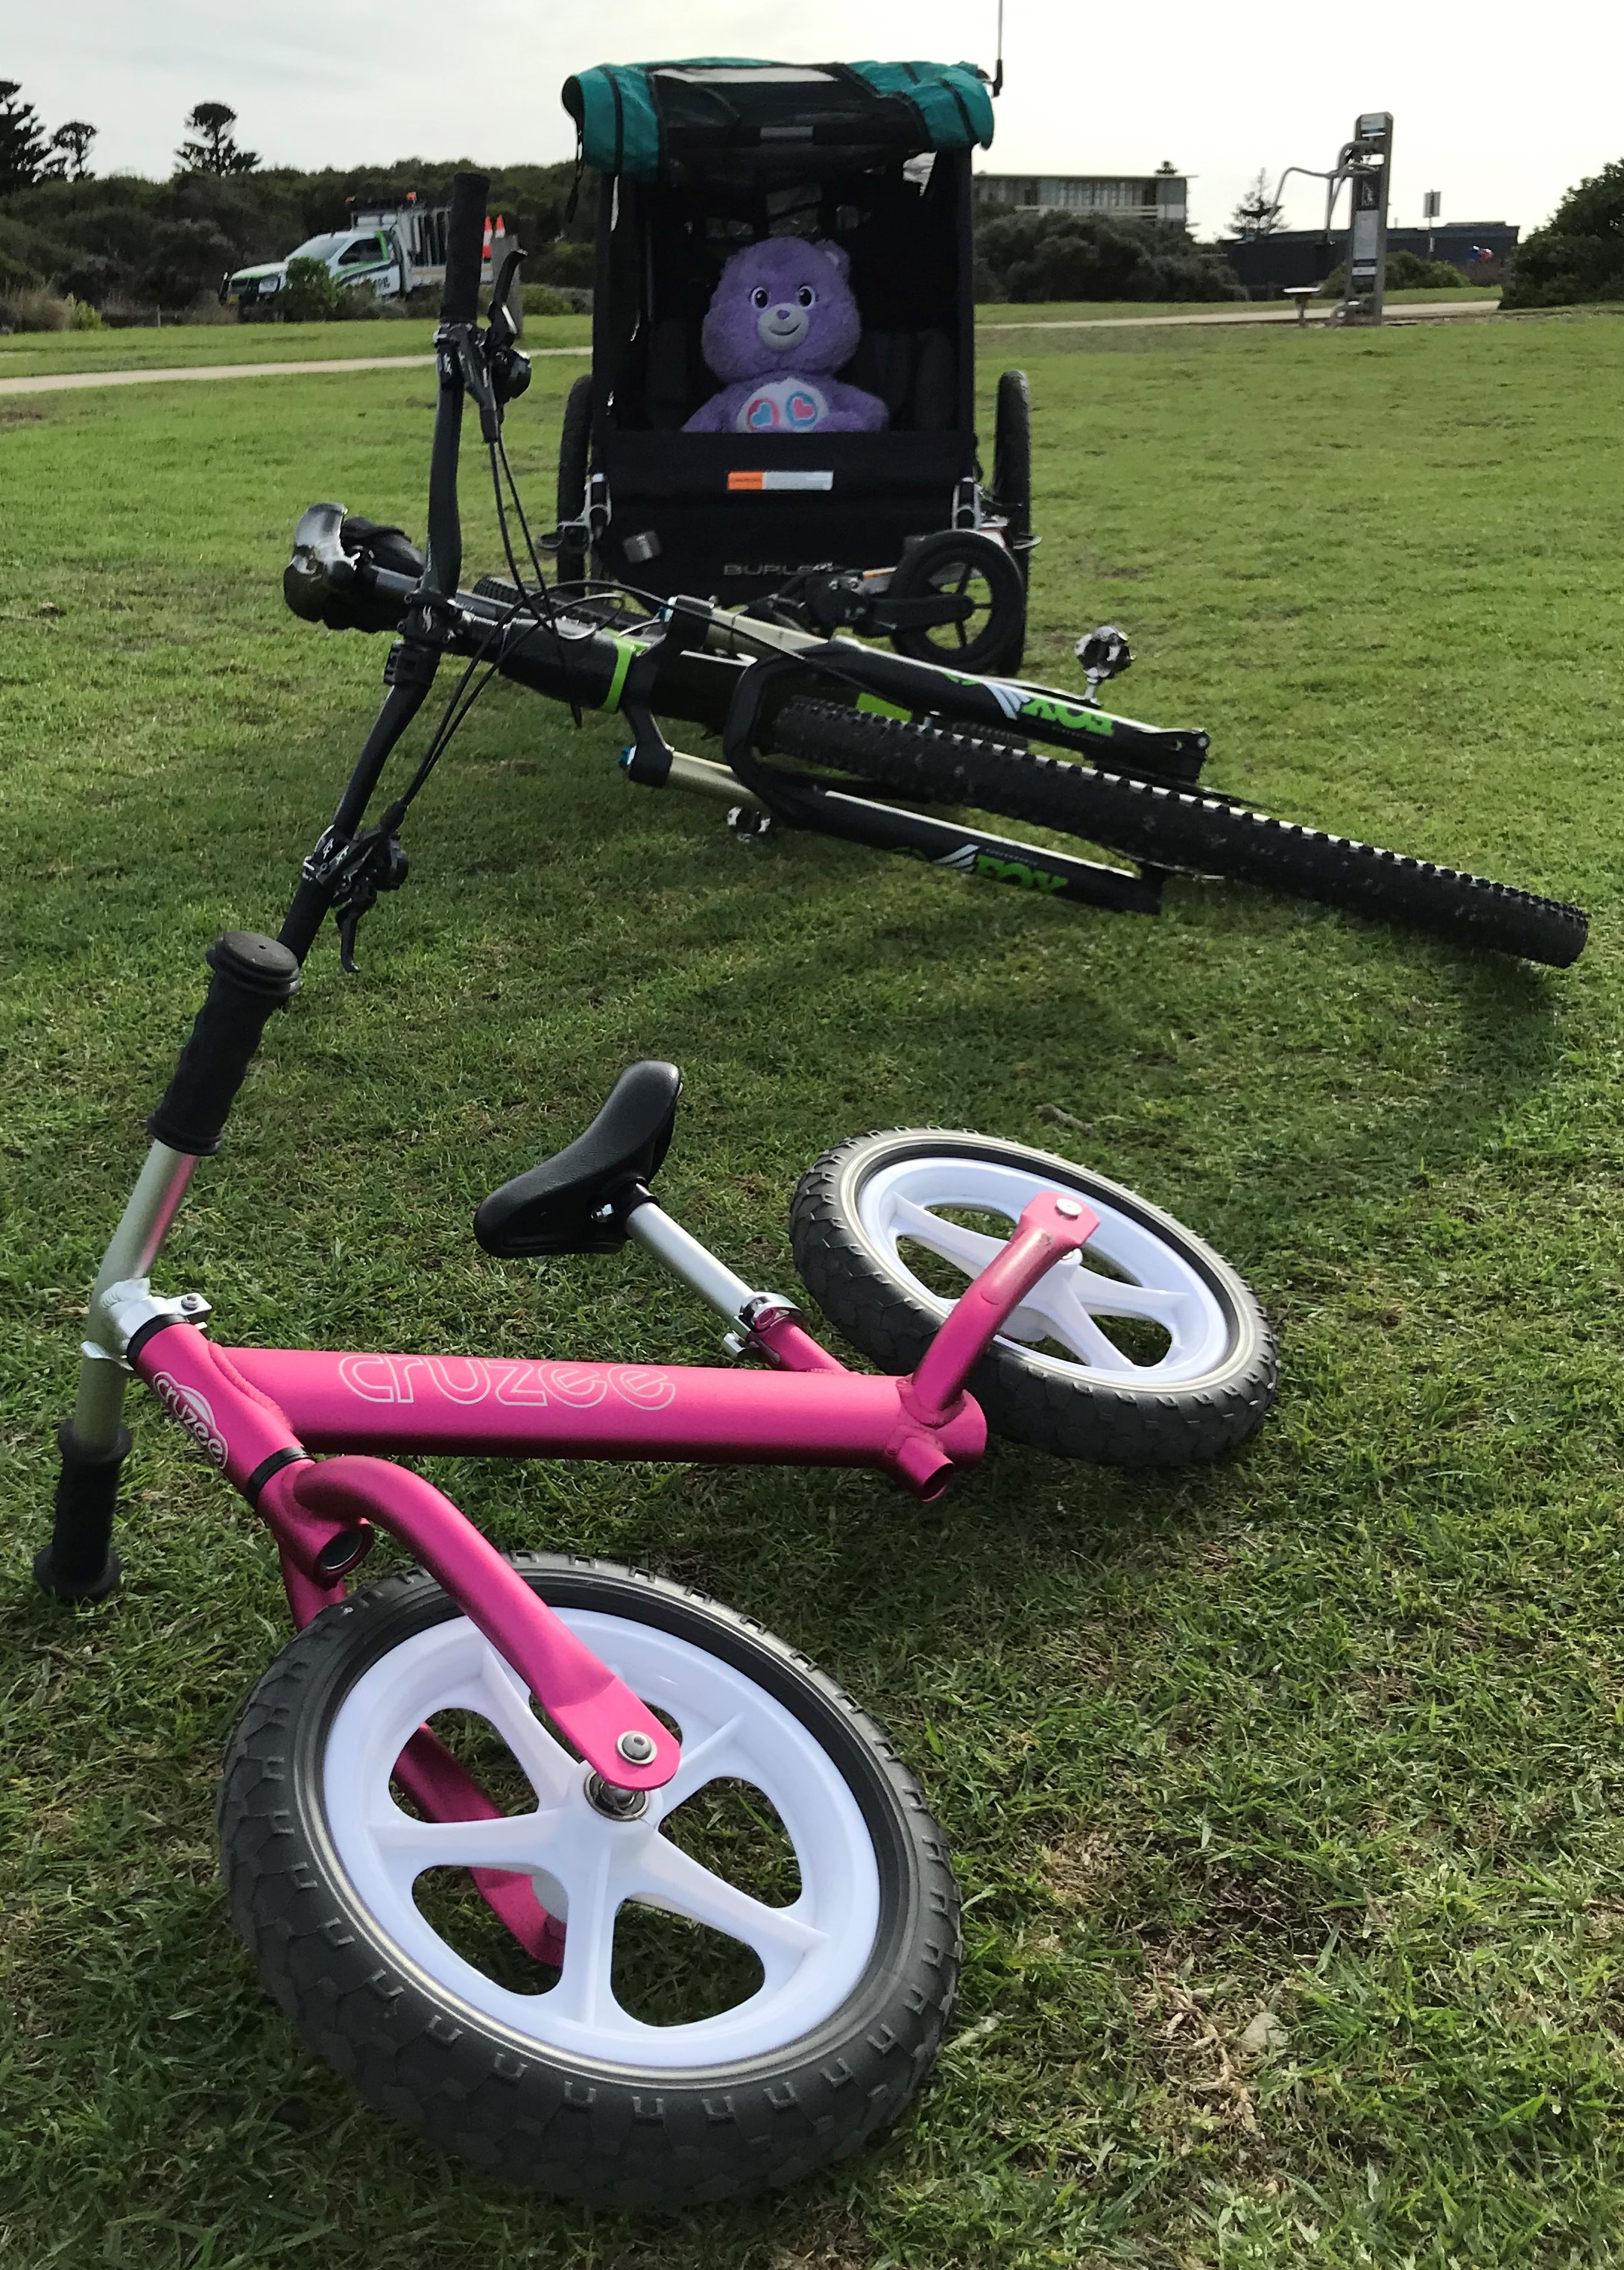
(474, 1379)
(194, 1414)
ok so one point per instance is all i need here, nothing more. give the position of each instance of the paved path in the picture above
(51, 380)
(1420, 311)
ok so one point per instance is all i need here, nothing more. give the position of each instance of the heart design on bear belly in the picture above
(781, 405)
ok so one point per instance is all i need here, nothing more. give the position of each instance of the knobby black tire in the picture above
(1012, 465)
(611, 2134)
(1186, 829)
(574, 457)
(1107, 1421)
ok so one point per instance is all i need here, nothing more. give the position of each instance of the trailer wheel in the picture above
(1012, 466)
(574, 456)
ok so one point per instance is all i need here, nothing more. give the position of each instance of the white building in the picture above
(1150, 197)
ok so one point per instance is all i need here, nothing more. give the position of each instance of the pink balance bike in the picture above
(558, 1740)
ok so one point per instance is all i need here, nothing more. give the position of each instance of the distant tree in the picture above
(1406, 271)
(22, 140)
(1257, 214)
(185, 258)
(217, 153)
(1168, 169)
(311, 293)
(1579, 254)
(71, 150)
(95, 278)
(1027, 255)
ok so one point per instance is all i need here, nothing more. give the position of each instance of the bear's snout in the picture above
(783, 325)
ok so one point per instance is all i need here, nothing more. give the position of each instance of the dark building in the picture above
(1267, 266)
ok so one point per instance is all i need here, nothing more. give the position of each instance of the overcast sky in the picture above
(1498, 105)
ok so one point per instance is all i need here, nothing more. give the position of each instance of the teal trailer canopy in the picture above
(636, 118)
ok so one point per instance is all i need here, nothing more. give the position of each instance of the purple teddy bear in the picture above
(782, 320)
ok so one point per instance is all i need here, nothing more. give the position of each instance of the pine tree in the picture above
(217, 153)
(71, 150)
(1257, 214)
(22, 140)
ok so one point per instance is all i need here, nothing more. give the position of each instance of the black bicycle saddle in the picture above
(575, 1202)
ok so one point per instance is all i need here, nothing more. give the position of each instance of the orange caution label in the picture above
(781, 480)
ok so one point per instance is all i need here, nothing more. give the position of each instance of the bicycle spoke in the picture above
(1067, 1317)
(708, 1760)
(664, 1876)
(408, 1846)
(969, 1248)
(548, 1766)
(583, 1991)
(1109, 1297)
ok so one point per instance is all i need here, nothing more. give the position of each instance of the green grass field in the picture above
(1019, 313)
(30, 354)
(1330, 1731)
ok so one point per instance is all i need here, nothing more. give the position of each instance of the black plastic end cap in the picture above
(73, 1594)
(80, 1564)
(256, 963)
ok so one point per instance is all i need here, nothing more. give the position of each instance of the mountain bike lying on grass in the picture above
(457, 1797)
(809, 716)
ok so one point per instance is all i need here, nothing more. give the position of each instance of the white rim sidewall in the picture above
(435, 1668)
(1130, 1227)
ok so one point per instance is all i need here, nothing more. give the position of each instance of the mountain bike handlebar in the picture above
(464, 249)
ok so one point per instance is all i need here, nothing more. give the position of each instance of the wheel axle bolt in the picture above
(1069, 1207)
(636, 1749)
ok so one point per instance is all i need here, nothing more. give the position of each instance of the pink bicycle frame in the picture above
(259, 1415)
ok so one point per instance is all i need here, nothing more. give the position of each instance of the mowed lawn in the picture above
(1330, 1731)
(170, 346)
(30, 354)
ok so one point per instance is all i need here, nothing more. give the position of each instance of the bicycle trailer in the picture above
(900, 528)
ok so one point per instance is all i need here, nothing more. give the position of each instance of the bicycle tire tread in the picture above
(1192, 829)
(1107, 1426)
(647, 2141)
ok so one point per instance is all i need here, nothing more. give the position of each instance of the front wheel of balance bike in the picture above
(742, 1981)
(1144, 1349)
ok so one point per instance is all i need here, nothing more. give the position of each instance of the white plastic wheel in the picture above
(586, 1868)
(1145, 1349)
(1077, 1302)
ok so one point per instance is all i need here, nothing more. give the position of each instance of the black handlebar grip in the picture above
(307, 911)
(464, 249)
(253, 976)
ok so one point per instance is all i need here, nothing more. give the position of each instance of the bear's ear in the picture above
(836, 254)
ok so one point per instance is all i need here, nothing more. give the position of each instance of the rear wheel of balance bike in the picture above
(1144, 1349)
(743, 1982)
(574, 459)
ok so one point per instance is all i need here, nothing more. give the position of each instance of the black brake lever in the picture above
(382, 866)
